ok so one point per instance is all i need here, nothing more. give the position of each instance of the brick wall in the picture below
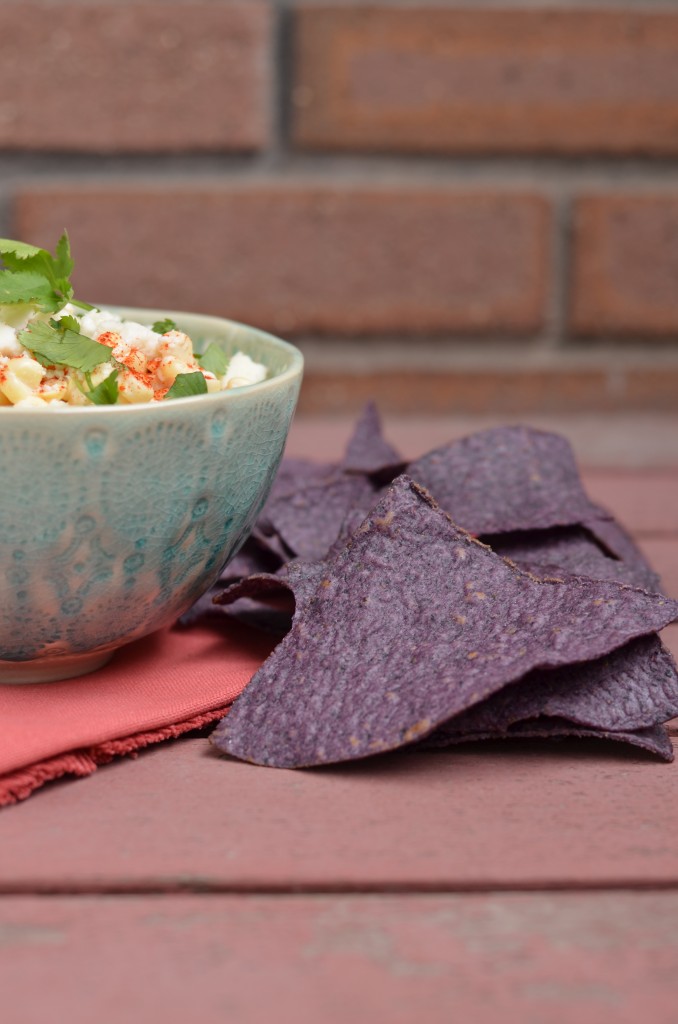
(456, 208)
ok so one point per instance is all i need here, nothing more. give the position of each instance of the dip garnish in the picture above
(57, 351)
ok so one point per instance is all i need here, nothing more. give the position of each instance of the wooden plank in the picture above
(645, 502)
(662, 553)
(517, 814)
(518, 958)
(670, 638)
(630, 440)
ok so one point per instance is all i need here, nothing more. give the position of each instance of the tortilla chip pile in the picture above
(478, 594)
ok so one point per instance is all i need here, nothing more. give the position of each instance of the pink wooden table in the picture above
(523, 882)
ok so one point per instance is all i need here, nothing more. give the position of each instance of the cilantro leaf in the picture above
(163, 326)
(214, 360)
(105, 393)
(70, 323)
(186, 384)
(21, 259)
(63, 263)
(25, 286)
(63, 347)
(14, 254)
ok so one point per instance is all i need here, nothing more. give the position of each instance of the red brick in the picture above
(134, 77)
(298, 258)
(476, 81)
(625, 271)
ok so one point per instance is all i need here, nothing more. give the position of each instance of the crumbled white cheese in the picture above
(243, 367)
(96, 322)
(9, 346)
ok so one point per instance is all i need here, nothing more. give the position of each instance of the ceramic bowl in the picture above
(113, 520)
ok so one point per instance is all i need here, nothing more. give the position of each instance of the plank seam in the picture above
(175, 888)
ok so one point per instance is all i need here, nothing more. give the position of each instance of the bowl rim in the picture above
(293, 371)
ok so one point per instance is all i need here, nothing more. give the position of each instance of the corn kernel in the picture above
(20, 378)
(130, 356)
(170, 367)
(28, 370)
(177, 344)
(53, 389)
(101, 372)
(133, 390)
(74, 395)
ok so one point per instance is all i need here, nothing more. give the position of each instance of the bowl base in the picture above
(66, 666)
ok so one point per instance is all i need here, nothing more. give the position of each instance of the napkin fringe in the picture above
(19, 784)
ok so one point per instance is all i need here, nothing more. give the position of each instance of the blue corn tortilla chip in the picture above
(410, 624)
(255, 557)
(289, 588)
(506, 479)
(367, 451)
(634, 687)
(574, 550)
(292, 477)
(310, 501)
(294, 473)
(517, 479)
(270, 609)
(614, 538)
(654, 739)
(267, 617)
(295, 582)
(259, 553)
(308, 519)
(265, 553)
(270, 546)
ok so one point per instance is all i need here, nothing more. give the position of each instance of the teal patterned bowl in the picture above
(113, 520)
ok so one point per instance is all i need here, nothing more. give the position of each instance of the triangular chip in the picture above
(296, 581)
(506, 479)
(574, 550)
(612, 536)
(410, 624)
(368, 452)
(655, 739)
(258, 555)
(309, 518)
(634, 687)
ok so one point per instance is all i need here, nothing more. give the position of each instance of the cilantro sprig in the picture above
(32, 275)
(60, 343)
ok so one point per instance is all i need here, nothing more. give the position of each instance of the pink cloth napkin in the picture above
(153, 689)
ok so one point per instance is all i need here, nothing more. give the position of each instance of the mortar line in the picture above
(559, 287)
(550, 175)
